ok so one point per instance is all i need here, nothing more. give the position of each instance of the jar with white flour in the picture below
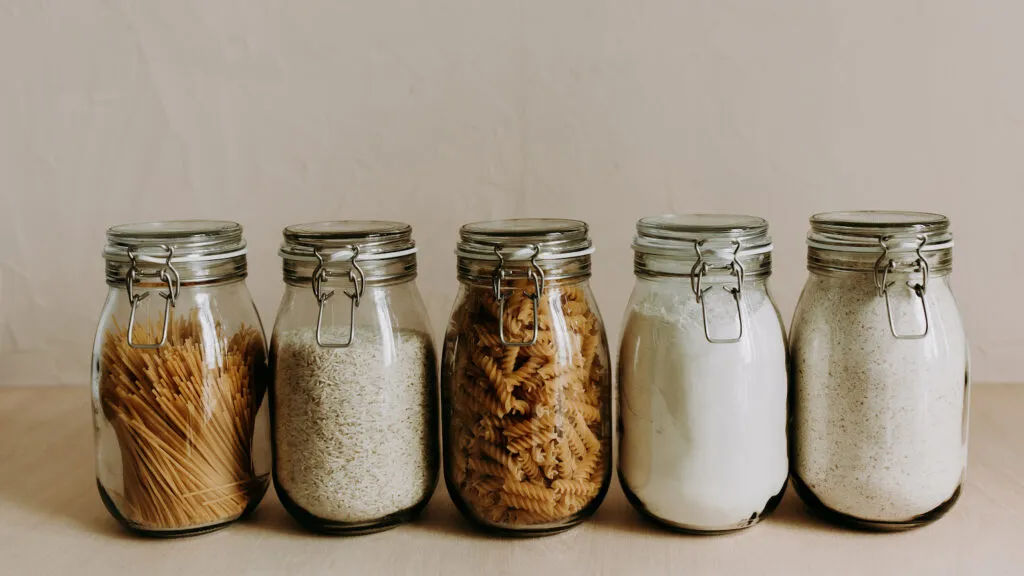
(354, 398)
(880, 371)
(702, 375)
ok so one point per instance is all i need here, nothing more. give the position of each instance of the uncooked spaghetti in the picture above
(184, 416)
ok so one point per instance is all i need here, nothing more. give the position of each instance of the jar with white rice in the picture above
(354, 398)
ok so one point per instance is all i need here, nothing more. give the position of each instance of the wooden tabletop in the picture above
(52, 522)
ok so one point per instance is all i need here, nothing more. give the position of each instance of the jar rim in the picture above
(891, 219)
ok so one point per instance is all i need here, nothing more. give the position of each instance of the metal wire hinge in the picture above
(884, 266)
(320, 276)
(169, 276)
(501, 293)
(697, 273)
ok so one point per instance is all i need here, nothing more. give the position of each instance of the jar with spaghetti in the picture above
(179, 379)
(880, 371)
(526, 381)
(354, 400)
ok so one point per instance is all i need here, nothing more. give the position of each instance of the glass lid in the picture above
(869, 230)
(545, 237)
(186, 239)
(670, 234)
(369, 237)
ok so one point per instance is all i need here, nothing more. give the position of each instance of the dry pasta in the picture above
(528, 448)
(184, 416)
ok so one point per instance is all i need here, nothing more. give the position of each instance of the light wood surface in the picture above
(52, 522)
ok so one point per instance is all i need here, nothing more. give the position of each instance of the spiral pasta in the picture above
(528, 447)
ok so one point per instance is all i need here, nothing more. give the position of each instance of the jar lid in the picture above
(188, 251)
(523, 239)
(342, 239)
(876, 231)
(711, 245)
(677, 234)
(182, 240)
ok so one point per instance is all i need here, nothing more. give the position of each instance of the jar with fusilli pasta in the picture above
(526, 384)
(179, 379)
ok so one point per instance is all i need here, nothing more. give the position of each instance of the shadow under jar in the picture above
(880, 372)
(702, 375)
(178, 380)
(354, 396)
(526, 384)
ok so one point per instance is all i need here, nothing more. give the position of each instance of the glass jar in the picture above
(354, 398)
(702, 375)
(178, 380)
(880, 371)
(526, 385)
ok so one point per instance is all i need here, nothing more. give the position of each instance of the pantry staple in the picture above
(528, 440)
(703, 425)
(183, 417)
(353, 426)
(880, 423)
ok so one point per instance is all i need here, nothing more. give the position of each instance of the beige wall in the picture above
(271, 112)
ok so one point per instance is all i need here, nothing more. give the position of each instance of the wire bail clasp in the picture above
(697, 273)
(320, 276)
(533, 274)
(884, 265)
(169, 276)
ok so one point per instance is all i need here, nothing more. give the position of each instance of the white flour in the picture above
(880, 423)
(703, 441)
(353, 428)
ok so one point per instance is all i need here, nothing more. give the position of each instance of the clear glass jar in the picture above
(526, 385)
(354, 398)
(702, 375)
(178, 380)
(880, 371)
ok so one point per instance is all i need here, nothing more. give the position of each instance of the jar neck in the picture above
(824, 261)
(554, 272)
(189, 273)
(384, 272)
(716, 267)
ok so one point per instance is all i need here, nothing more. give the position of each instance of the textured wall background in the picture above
(272, 112)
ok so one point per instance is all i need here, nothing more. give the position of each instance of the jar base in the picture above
(819, 509)
(138, 530)
(551, 529)
(326, 527)
(647, 515)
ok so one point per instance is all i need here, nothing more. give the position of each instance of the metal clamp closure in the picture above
(697, 273)
(884, 266)
(169, 276)
(535, 275)
(321, 275)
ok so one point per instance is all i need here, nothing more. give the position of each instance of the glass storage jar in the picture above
(526, 385)
(178, 380)
(702, 375)
(354, 397)
(880, 371)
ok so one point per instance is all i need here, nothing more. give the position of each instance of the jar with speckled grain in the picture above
(880, 372)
